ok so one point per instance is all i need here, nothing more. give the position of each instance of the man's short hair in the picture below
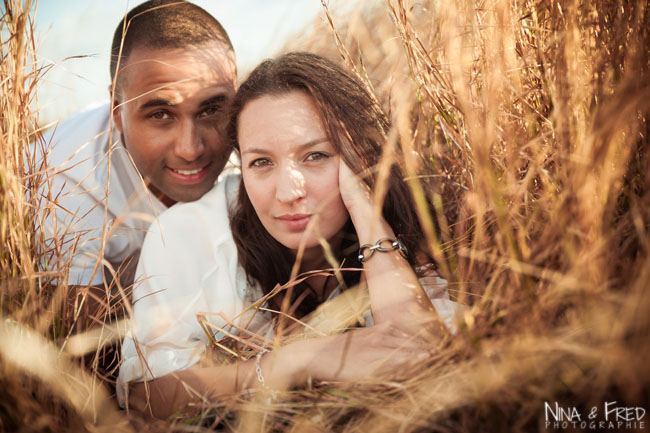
(160, 24)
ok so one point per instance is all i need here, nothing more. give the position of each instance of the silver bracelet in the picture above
(260, 376)
(383, 245)
(258, 367)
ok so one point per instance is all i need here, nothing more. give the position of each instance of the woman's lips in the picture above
(189, 176)
(295, 221)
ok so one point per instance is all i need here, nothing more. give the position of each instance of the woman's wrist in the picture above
(369, 228)
(360, 211)
(285, 367)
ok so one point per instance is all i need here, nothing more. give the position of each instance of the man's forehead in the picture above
(207, 53)
(212, 63)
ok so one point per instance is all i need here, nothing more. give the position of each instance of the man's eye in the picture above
(260, 162)
(210, 111)
(160, 115)
(315, 156)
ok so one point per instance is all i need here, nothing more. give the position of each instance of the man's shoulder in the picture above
(83, 134)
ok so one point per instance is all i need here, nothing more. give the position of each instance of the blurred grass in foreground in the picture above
(525, 122)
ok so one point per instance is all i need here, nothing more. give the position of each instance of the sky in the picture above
(75, 36)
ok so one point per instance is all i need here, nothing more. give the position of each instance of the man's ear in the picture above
(116, 110)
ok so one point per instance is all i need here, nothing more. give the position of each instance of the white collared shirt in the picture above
(78, 153)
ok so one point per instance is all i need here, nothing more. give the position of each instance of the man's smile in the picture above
(190, 175)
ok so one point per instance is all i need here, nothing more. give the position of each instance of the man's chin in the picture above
(172, 194)
(187, 193)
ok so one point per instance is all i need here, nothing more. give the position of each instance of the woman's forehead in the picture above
(274, 121)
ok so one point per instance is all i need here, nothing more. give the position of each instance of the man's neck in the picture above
(159, 195)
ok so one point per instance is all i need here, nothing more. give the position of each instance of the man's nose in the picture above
(290, 184)
(189, 144)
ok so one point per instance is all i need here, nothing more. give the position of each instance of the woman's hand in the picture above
(379, 351)
(354, 192)
(356, 196)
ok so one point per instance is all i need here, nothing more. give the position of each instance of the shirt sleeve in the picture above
(73, 200)
(72, 224)
(167, 297)
(436, 289)
(187, 268)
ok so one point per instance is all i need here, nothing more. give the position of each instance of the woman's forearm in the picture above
(395, 292)
(164, 396)
(350, 356)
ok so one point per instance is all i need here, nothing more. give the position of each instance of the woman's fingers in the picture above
(364, 362)
(355, 193)
(364, 353)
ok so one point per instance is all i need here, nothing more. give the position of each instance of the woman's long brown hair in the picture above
(357, 128)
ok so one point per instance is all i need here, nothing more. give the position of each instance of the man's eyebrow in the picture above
(302, 147)
(159, 102)
(214, 100)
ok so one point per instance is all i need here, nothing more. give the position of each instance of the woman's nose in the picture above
(290, 185)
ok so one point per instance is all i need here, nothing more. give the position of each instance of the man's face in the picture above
(171, 113)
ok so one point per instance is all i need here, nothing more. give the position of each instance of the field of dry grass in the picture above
(524, 121)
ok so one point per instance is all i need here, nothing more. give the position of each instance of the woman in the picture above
(302, 127)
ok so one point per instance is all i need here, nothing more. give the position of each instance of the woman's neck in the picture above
(314, 258)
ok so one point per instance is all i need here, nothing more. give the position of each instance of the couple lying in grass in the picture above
(286, 264)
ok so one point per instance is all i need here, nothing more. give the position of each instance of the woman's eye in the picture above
(315, 156)
(260, 162)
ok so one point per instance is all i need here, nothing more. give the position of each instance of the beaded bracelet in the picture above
(392, 244)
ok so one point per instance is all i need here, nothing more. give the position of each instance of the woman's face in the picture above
(291, 169)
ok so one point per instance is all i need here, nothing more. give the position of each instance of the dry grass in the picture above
(526, 123)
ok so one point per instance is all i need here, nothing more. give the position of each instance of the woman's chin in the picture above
(310, 250)
(310, 243)
(307, 247)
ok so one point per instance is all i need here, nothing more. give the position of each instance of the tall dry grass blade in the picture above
(22, 350)
(525, 122)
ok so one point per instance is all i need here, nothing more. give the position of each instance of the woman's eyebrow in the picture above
(312, 143)
(301, 147)
(254, 150)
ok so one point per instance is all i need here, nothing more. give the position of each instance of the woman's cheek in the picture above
(254, 189)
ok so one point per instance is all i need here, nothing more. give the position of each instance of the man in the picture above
(161, 140)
